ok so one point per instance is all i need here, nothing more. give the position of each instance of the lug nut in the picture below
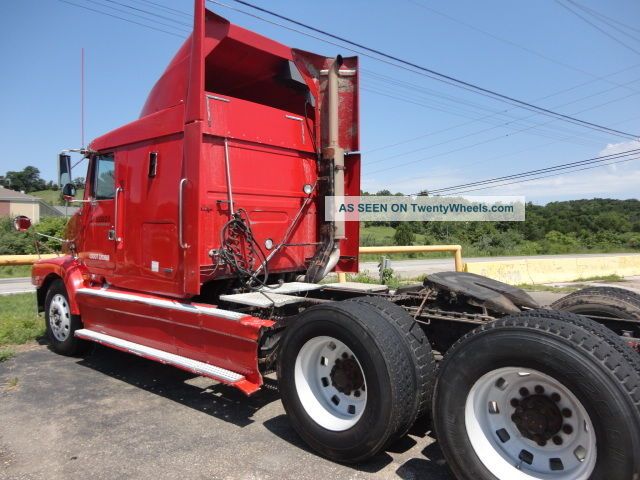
(568, 429)
(566, 413)
(524, 392)
(555, 397)
(539, 389)
(356, 393)
(515, 402)
(557, 440)
(345, 355)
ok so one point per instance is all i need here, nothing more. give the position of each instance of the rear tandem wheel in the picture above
(539, 395)
(346, 380)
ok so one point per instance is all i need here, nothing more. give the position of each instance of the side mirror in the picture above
(68, 191)
(64, 169)
(22, 223)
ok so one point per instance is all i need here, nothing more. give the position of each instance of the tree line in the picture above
(28, 180)
(574, 226)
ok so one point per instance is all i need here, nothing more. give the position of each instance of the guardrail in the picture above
(6, 260)
(455, 249)
(11, 260)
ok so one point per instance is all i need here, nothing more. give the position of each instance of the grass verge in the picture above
(19, 322)
(603, 278)
(15, 271)
(6, 354)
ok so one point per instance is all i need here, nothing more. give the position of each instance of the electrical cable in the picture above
(601, 30)
(541, 177)
(506, 41)
(561, 166)
(492, 139)
(416, 68)
(485, 117)
(122, 18)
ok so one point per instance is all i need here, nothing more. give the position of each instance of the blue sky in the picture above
(535, 51)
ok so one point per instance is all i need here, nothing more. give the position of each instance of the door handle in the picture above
(111, 234)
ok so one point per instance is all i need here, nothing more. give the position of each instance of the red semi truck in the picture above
(201, 242)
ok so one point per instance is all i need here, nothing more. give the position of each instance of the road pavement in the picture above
(417, 267)
(9, 286)
(117, 416)
(402, 268)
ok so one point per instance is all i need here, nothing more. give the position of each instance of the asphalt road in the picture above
(415, 268)
(117, 416)
(402, 268)
(9, 286)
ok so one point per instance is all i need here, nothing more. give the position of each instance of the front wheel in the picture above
(533, 396)
(61, 324)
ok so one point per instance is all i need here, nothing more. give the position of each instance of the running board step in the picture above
(201, 368)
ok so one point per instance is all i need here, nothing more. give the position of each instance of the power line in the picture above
(354, 50)
(512, 123)
(122, 18)
(555, 168)
(514, 120)
(492, 139)
(601, 30)
(486, 160)
(584, 7)
(126, 12)
(440, 76)
(607, 20)
(543, 176)
(427, 134)
(148, 12)
(505, 40)
(164, 7)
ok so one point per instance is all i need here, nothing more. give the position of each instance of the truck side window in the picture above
(104, 177)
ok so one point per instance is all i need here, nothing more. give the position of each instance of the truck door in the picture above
(101, 227)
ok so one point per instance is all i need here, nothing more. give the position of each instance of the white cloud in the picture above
(613, 148)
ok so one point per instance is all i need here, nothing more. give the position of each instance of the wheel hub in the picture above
(537, 417)
(527, 424)
(60, 318)
(330, 383)
(346, 375)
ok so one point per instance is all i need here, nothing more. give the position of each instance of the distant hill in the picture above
(53, 197)
(574, 226)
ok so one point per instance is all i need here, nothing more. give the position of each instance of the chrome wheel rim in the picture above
(60, 317)
(524, 424)
(330, 383)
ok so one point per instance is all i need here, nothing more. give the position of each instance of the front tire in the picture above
(61, 324)
(531, 396)
(346, 380)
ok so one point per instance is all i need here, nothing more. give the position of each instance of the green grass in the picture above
(383, 236)
(15, 271)
(602, 278)
(19, 322)
(548, 288)
(52, 197)
(6, 354)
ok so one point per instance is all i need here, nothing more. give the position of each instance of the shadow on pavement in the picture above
(433, 466)
(230, 405)
(204, 395)
(281, 427)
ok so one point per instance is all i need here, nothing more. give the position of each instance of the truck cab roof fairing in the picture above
(222, 43)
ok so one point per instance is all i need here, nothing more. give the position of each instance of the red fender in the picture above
(66, 267)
